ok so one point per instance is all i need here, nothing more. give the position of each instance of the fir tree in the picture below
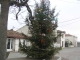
(41, 27)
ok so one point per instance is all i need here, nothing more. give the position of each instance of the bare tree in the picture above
(3, 21)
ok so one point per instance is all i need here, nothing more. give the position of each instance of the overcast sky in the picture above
(68, 19)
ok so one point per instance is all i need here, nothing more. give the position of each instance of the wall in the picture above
(75, 41)
(61, 40)
(13, 44)
(25, 30)
(16, 44)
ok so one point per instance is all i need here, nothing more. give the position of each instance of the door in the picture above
(9, 45)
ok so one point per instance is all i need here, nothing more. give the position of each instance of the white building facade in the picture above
(13, 39)
(13, 44)
(61, 38)
(72, 39)
(25, 30)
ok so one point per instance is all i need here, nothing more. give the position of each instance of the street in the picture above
(70, 53)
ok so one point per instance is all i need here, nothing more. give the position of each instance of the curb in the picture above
(59, 58)
(56, 58)
(64, 58)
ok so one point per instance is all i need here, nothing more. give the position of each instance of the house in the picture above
(71, 40)
(60, 41)
(13, 39)
(78, 44)
(61, 38)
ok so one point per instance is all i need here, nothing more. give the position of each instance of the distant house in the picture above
(78, 44)
(71, 40)
(13, 39)
(61, 38)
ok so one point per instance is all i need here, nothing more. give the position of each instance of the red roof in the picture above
(70, 35)
(14, 34)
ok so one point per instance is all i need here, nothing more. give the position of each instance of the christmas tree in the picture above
(43, 38)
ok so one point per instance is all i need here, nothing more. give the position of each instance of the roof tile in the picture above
(15, 34)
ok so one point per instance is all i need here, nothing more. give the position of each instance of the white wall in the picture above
(25, 30)
(13, 44)
(26, 42)
(16, 44)
(61, 39)
(75, 41)
(21, 40)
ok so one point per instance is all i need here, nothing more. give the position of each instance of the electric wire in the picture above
(70, 23)
(69, 20)
(69, 2)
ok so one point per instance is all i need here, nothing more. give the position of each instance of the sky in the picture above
(68, 18)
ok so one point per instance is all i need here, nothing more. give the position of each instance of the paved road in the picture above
(70, 53)
(16, 55)
(20, 56)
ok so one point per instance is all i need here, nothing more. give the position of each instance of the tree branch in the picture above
(20, 3)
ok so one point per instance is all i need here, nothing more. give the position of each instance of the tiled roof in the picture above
(70, 35)
(14, 34)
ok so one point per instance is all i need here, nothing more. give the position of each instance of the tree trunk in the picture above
(3, 28)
